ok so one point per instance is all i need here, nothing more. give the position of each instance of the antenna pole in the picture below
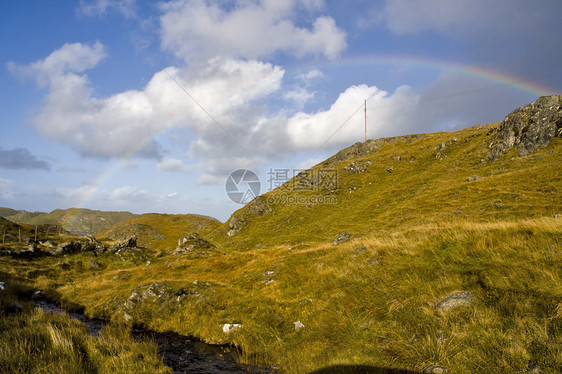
(365, 119)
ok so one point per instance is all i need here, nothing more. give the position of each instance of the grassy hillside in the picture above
(408, 181)
(161, 231)
(32, 341)
(471, 216)
(74, 220)
(371, 301)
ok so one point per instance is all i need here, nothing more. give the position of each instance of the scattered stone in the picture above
(133, 299)
(455, 300)
(129, 243)
(48, 244)
(431, 369)
(94, 264)
(269, 281)
(298, 325)
(268, 273)
(472, 179)
(39, 295)
(196, 246)
(359, 251)
(14, 308)
(66, 248)
(2, 286)
(557, 216)
(127, 317)
(357, 167)
(342, 237)
(228, 328)
(390, 169)
(92, 239)
(155, 290)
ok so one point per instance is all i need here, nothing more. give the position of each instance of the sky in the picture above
(149, 106)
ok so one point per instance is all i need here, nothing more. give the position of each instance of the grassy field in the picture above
(428, 215)
(370, 301)
(32, 341)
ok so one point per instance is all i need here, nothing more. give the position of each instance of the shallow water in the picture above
(181, 353)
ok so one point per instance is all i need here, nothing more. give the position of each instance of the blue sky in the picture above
(148, 106)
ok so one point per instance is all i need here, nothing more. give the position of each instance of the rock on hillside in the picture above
(530, 127)
(412, 180)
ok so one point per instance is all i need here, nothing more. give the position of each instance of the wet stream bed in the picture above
(181, 353)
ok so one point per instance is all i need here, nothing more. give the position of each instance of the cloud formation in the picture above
(174, 165)
(102, 7)
(199, 29)
(21, 158)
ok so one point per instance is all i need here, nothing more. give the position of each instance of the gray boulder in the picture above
(432, 369)
(357, 167)
(529, 128)
(342, 237)
(196, 246)
(14, 308)
(455, 300)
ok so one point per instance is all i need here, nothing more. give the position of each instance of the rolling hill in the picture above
(448, 260)
(160, 231)
(503, 171)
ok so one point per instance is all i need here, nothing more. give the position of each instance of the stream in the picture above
(181, 353)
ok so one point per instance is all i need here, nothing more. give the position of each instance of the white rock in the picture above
(2, 287)
(227, 328)
(298, 325)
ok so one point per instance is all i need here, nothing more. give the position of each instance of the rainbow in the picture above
(486, 74)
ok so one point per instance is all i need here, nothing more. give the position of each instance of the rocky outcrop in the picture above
(66, 248)
(195, 246)
(128, 243)
(257, 207)
(529, 128)
(357, 167)
(341, 238)
(356, 150)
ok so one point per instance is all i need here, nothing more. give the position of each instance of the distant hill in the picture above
(504, 171)
(161, 231)
(73, 220)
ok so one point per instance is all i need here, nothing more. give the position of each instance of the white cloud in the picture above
(334, 127)
(126, 123)
(129, 194)
(70, 58)
(299, 95)
(200, 29)
(311, 75)
(173, 164)
(102, 7)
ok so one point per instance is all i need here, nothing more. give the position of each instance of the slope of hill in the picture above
(19, 216)
(161, 231)
(73, 220)
(453, 263)
(505, 171)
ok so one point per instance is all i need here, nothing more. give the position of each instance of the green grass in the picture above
(426, 230)
(36, 342)
(374, 308)
(428, 185)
